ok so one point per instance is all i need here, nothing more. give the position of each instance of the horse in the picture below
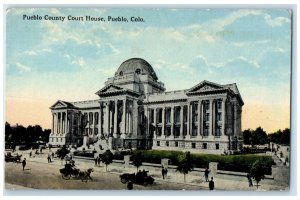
(85, 175)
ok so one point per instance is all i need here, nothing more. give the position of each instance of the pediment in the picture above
(110, 89)
(205, 86)
(61, 104)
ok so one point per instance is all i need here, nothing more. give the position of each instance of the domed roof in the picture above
(136, 65)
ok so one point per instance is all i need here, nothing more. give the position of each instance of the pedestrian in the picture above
(24, 163)
(30, 154)
(99, 160)
(166, 172)
(96, 161)
(41, 150)
(211, 184)
(206, 172)
(49, 159)
(163, 172)
(52, 154)
(129, 185)
(249, 180)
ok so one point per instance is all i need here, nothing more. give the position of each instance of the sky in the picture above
(47, 60)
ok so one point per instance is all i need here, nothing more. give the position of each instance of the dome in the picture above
(136, 65)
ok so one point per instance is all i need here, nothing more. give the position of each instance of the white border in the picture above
(158, 3)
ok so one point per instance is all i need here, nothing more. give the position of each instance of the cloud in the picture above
(22, 68)
(278, 21)
(37, 52)
(80, 62)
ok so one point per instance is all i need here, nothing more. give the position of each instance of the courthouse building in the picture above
(133, 110)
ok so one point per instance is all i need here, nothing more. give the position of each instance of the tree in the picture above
(137, 159)
(258, 171)
(62, 152)
(184, 165)
(107, 158)
(247, 134)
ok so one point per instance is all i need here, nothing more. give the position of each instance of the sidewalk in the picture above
(239, 183)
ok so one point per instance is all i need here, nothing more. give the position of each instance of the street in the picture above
(39, 174)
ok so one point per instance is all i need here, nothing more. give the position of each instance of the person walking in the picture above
(211, 184)
(30, 154)
(99, 161)
(249, 180)
(163, 172)
(206, 172)
(24, 163)
(96, 161)
(166, 172)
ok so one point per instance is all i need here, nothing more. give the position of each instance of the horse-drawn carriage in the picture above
(70, 171)
(139, 178)
(12, 158)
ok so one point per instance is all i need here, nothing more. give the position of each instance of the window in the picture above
(61, 139)
(176, 144)
(151, 116)
(167, 143)
(90, 118)
(207, 117)
(195, 112)
(194, 130)
(204, 146)
(168, 131)
(217, 146)
(96, 118)
(168, 115)
(159, 130)
(56, 139)
(159, 115)
(185, 114)
(121, 73)
(96, 131)
(158, 143)
(138, 71)
(219, 104)
(177, 115)
(91, 131)
(205, 131)
(193, 145)
(177, 131)
(218, 131)
(219, 116)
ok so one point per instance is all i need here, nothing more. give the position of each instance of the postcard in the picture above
(148, 99)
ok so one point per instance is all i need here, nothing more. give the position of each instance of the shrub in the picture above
(239, 163)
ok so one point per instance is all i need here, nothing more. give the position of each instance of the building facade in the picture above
(134, 111)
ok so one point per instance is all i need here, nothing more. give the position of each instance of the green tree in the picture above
(259, 136)
(107, 158)
(137, 159)
(185, 165)
(258, 171)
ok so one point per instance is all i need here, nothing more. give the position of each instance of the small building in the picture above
(133, 110)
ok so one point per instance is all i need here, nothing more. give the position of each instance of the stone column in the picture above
(115, 119)
(223, 116)
(235, 119)
(154, 118)
(56, 123)
(100, 119)
(163, 122)
(124, 117)
(202, 117)
(108, 118)
(188, 120)
(52, 122)
(210, 117)
(199, 118)
(66, 123)
(172, 121)
(181, 121)
(61, 123)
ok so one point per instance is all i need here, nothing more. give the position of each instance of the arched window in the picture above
(138, 71)
(121, 73)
